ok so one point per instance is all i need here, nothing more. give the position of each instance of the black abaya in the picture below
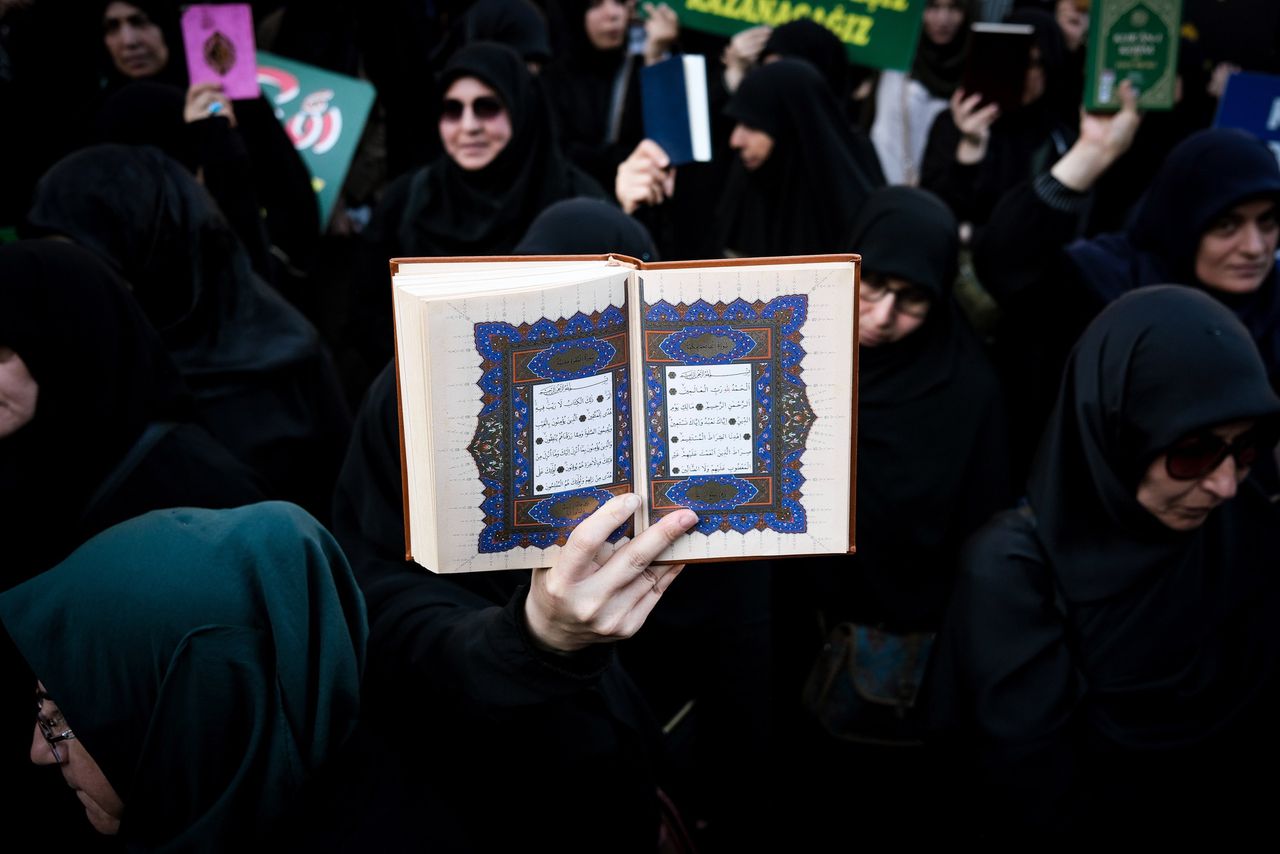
(264, 384)
(1104, 671)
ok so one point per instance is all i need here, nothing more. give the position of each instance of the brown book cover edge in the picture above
(657, 265)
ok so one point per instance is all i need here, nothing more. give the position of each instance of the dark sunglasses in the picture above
(484, 108)
(1196, 456)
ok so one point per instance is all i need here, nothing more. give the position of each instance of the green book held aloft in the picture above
(1134, 40)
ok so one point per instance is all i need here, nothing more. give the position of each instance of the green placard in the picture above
(323, 113)
(1135, 40)
(877, 33)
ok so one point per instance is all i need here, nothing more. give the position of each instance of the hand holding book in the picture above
(598, 592)
(645, 177)
(1103, 138)
(974, 120)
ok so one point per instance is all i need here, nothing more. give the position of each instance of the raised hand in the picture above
(598, 594)
(645, 177)
(205, 100)
(974, 123)
(742, 52)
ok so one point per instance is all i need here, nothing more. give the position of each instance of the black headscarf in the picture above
(585, 85)
(939, 67)
(103, 376)
(586, 227)
(1110, 671)
(932, 460)
(804, 198)
(1155, 366)
(1205, 176)
(452, 211)
(817, 45)
(519, 24)
(165, 14)
(146, 216)
(264, 383)
(149, 113)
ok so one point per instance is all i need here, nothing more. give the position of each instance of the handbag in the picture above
(865, 682)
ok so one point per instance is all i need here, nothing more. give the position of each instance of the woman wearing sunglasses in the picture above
(500, 168)
(1113, 649)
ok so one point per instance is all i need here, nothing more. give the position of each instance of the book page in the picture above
(748, 391)
(531, 415)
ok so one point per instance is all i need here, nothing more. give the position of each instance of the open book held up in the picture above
(534, 389)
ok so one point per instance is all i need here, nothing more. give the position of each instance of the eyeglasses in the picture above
(55, 729)
(1196, 456)
(483, 108)
(905, 299)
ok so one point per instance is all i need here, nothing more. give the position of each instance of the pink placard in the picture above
(220, 47)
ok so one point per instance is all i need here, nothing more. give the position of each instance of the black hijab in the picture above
(149, 113)
(1110, 671)
(939, 67)
(1205, 176)
(452, 211)
(103, 376)
(804, 198)
(264, 383)
(817, 45)
(519, 24)
(931, 452)
(146, 216)
(1153, 367)
(165, 14)
(586, 227)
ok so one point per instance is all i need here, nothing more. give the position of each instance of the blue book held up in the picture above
(1252, 102)
(676, 113)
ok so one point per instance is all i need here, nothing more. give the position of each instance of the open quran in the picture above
(531, 390)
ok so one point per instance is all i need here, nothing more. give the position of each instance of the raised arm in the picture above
(1018, 248)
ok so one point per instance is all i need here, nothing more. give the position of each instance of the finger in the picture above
(669, 183)
(655, 578)
(634, 559)
(1128, 97)
(606, 551)
(644, 605)
(579, 552)
(654, 152)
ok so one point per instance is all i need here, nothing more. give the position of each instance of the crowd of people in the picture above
(1063, 615)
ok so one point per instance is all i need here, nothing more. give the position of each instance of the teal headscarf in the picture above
(209, 660)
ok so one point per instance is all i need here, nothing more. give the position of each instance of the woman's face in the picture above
(1238, 251)
(18, 393)
(102, 805)
(1033, 85)
(889, 309)
(135, 42)
(1185, 504)
(606, 23)
(474, 124)
(942, 21)
(1073, 21)
(753, 146)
